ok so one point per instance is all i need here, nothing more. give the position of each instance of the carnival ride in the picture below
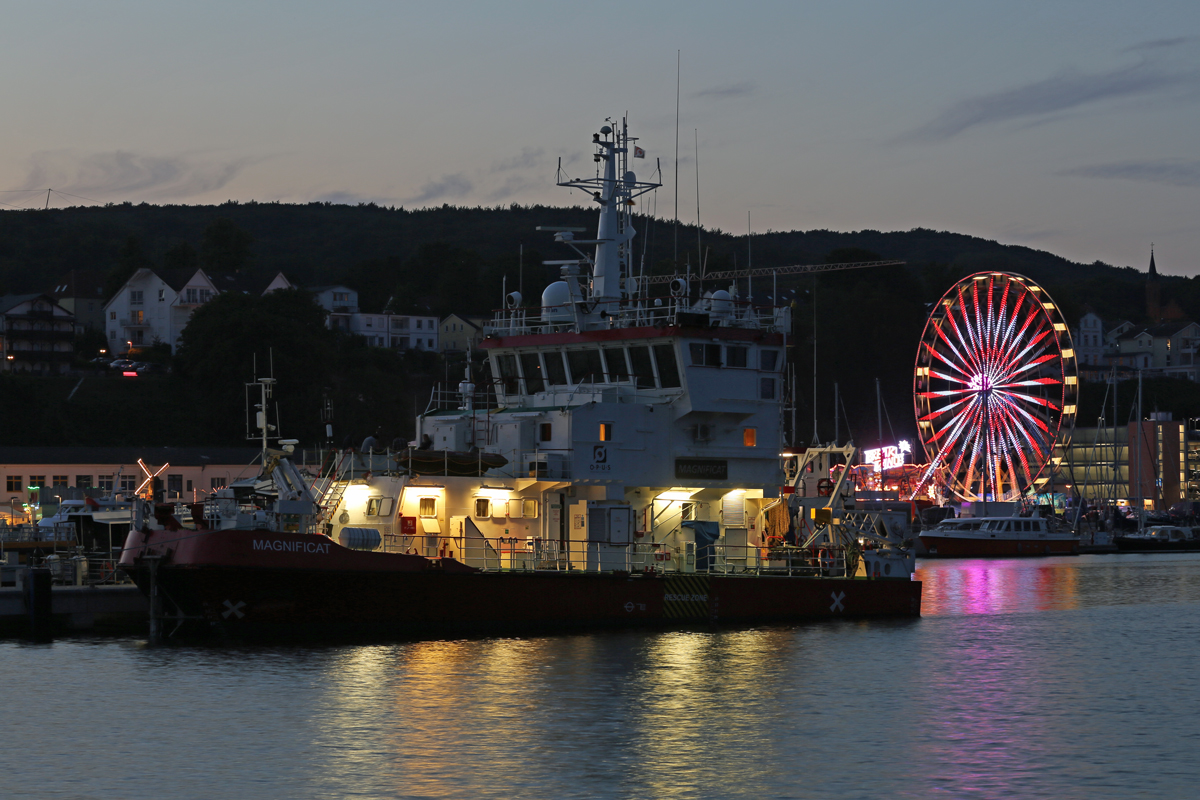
(994, 388)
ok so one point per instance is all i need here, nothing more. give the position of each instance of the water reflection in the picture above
(1007, 586)
(1051, 677)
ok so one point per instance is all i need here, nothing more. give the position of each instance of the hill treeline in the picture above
(442, 260)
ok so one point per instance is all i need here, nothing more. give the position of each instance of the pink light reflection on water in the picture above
(955, 587)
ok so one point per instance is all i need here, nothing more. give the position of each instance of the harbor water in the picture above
(1059, 677)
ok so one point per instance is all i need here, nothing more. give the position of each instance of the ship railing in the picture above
(533, 553)
(449, 399)
(61, 533)
(642, 313)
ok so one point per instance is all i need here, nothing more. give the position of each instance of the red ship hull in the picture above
(258, 584)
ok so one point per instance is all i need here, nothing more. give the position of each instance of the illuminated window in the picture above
(379, 506)
(14, 483)
(750, 437)
(483, 508)
(428, 507)
(606, 429)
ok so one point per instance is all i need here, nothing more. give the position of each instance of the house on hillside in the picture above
(155, 306)
(398, 331)
(36, 334)
(460, 333)
(81, 292)
(340, 301)
(1167, 349)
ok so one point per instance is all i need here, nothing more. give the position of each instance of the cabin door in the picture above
(556, 519)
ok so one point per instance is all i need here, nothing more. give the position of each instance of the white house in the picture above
(155, 306)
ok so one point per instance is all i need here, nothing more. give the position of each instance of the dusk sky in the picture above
(1065, 126)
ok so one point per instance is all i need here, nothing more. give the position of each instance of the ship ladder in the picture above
(332, 487)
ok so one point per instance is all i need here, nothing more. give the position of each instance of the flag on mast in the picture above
(638, 152)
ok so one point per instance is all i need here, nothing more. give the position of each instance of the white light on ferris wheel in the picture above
(905, 447)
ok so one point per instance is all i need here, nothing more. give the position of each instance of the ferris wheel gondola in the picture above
(995, 388)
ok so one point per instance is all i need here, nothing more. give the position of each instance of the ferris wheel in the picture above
(995, 388)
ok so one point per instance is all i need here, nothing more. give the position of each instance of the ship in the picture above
(997, 537)
(1160, 539)
(622, 464)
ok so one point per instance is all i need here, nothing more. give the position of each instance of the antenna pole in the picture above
(699, 251)
(836, 419)
(677, 63)
(48, 199)
(521, 270)
(814, 299)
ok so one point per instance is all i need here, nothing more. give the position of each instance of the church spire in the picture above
(1153, 271)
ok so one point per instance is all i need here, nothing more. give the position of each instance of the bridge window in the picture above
(643, 370)
(735, 356)
(556, 373)
(768, 360)
(531, 366)
(606, 431)
(506, 366)
(586, 366)
(668, 370)
(766, 389)
(616, 364)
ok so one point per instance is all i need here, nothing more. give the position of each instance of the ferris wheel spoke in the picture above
(966, 355)
(954, 422)
(1032, 345)
(1028, 398)
(934, 353)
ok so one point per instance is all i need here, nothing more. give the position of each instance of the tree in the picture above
(130, 259)
(234, 336)
(181, 256)
(225, 247)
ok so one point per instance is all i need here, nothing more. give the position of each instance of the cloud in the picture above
(1169, 171)
(513, 185)
(529, 158)
(732, 90)
(443, 188)
(129, 175)
(1159, 44)
(1052, 95)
